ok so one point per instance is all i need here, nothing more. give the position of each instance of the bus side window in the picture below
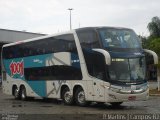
(88, 39)
(71, 47)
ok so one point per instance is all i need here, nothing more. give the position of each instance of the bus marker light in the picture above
(112, 96)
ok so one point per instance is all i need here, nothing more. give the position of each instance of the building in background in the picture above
(9, 36)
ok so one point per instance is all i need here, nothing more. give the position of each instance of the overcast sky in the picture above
(52, 16)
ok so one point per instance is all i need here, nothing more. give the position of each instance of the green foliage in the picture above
(154, 27)
(153, 41)
(144, 41)
(154, 44)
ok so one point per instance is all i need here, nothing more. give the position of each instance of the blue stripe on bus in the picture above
(36, 61)
(39, 87)
(7, 64)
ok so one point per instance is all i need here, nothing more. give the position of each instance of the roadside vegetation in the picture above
(152, 42)
(154, 92)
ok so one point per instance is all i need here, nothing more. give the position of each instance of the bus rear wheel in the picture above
(80, 97)
(67, 97)
(23, 94)
(16, 93)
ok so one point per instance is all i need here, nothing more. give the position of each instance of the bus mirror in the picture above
(106, 55)
(155, 56)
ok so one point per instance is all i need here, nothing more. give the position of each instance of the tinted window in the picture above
(119, 38)
(44, 46)
(94, 60)
(88, 38)
(61, 43)
(95, 64)
(55, 72)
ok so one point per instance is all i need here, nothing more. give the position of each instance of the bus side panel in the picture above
(10, 82)
(59, 59)
(7, 85)
(54, 88)
(12, 78)
(15, 76)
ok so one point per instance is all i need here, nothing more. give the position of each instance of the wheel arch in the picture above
(21, 86)
(14, 86)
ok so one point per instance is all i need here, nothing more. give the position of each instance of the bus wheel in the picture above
(23, 94)
(16, 93)
(80, 97)
(116, 104)
(100, 103)
(67, 98)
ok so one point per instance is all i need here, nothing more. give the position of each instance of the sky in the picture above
(52, 16)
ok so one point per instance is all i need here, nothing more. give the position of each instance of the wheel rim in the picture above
(23, 94)
(81, 97)
(67, 97)
(16, 93)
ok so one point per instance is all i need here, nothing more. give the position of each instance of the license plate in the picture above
(132, 98)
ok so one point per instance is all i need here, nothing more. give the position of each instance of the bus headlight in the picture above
(129, 90)
(114, 89)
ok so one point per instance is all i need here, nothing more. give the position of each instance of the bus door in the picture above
(98, 73)
(98, 88)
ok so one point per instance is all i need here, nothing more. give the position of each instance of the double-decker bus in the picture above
(100, 64)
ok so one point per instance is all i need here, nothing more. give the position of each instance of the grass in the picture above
(154, 91)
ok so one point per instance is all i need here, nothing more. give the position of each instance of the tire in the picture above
(66, 97)
(80, 97)
(23, 94)
(116, 104)
(16, 93)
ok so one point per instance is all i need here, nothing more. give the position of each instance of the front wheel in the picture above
(116, 104)
(100, 103)
(80, 97)
(67, 97)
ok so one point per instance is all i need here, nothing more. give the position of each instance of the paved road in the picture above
(10, 106)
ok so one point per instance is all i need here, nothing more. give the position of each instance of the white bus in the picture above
(100, 64)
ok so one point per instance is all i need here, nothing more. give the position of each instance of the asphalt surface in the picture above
(37, 109)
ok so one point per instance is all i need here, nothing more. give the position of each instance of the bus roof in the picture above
(37, 38)
(71, 31)
(101, 27)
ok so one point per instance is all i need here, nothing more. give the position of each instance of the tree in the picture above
(153, 41)
(144, 41)
(154, 27)
(154, 45)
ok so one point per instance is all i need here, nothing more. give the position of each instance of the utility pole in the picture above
(70, 9)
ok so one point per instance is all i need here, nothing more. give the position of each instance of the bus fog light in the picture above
(114, 89)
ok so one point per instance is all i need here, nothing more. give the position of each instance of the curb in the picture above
(154, 94)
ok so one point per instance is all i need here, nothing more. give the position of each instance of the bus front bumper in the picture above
(113, 96)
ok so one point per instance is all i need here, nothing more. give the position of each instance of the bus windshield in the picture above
(130, 70)
(119, 38)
